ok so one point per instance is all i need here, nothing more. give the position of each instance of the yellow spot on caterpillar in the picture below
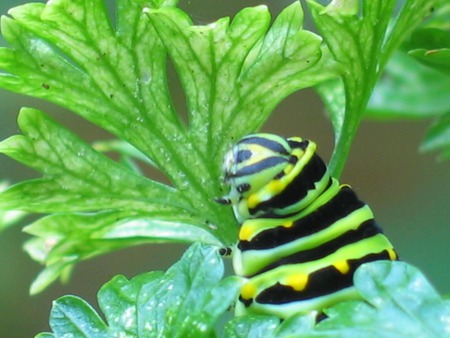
(342, 266)
(288, 224)
(252, 201)
(275, 186)
(392, 254)
(246, 232)
(297, 281)
(248, 291)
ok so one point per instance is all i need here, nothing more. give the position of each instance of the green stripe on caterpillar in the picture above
(302, 234)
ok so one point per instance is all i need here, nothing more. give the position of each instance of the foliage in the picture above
(68, 52)
(113, 73)
(398, 302)
(186, 301)
(416, 82)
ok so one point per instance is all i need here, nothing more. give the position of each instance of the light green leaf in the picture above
(431, 46)
(228, 69)
(233, 72)
(9, 217)
(436, 58)
(73, 317)
(402, 304)
(269, 326)
(186, 301)
(45, 335)
(398, 302)
(252, 326)
(189, 299)
(128, 153)
(61, 240)
(117, 299)
(409, 89)
(76, 178)
(362, 44)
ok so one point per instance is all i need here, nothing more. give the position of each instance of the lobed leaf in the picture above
(186, 301)
(76, 178)
(228, 68)
(362, 44)
(402, 304)
(61, 240)
(113, 74)
(71, 316)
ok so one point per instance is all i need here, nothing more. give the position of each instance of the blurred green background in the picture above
(409, 193)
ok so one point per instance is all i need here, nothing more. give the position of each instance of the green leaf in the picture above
(409, 90)
(76, 178)
(269, 326)
(362, 44)
(436, 58)
(438, 137)
(228, 69)
(189, 299)
(252, 326)
(61, 240)
(67, 52)
(402, 304)
(9, 217)
(118, 301)
(114, 75)
(431, 46)
(186, 301)
(45, 335)
(73, 317)
(128, 154)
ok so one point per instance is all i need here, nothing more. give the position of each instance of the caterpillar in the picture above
(302, 234)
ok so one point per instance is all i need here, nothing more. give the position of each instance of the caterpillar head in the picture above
(252, 163)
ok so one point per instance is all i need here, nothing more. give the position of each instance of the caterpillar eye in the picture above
(243, 188)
